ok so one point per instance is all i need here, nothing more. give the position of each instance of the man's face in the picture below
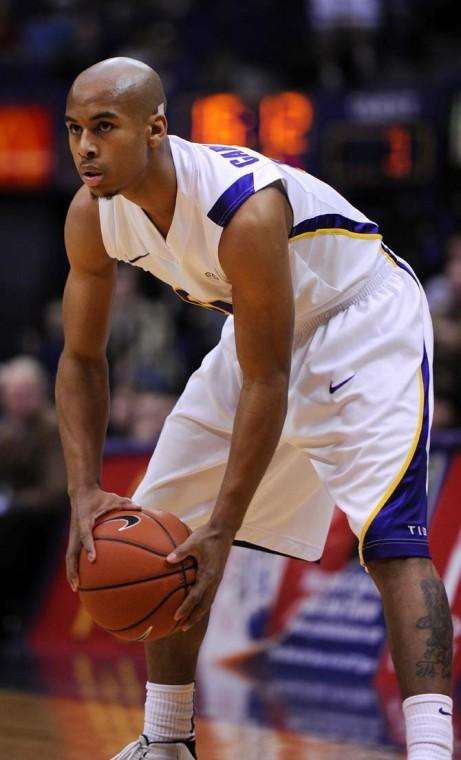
(22, 396)
(109, 144)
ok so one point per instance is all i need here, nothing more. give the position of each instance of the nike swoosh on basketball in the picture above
(142, 256)
(444, 712)
(129, 520)
(334, 388)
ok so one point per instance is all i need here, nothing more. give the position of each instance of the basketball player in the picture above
(318, 393)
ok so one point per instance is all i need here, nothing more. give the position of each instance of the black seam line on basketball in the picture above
(151, 612)
(135, 583)
(160, 524)
(131, 543)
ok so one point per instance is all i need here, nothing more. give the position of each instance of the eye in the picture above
(104, 126)
(74, 129)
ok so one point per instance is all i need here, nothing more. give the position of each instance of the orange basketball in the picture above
(130, 590)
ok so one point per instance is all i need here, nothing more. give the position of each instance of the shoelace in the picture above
(140, 754)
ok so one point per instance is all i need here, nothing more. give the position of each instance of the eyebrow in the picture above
(101, 115)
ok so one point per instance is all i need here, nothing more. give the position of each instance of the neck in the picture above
(156, 192)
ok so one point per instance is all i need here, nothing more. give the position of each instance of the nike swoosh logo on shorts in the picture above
(334, 388)
(142, 256)
(444, 712)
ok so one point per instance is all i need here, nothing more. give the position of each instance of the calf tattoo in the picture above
(437, 656)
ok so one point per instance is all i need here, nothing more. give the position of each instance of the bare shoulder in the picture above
(82, 233)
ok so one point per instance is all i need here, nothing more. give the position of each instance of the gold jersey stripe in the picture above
(338, 231)
(402, 471)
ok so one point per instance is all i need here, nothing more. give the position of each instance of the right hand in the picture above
(87, 506)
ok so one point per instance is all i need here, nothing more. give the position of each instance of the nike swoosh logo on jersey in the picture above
(142, 256)
(444, 712)
(334, 388)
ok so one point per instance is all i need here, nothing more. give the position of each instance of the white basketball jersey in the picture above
(334, 249)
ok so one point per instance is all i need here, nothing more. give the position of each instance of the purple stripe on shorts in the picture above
(400, 527)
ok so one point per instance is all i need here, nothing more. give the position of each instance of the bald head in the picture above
(121, 80)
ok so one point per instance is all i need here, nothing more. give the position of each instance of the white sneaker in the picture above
(133, 751)
(142, 750)
(168, 752)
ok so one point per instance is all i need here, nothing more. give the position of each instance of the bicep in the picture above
(90, 284)
(254, 255)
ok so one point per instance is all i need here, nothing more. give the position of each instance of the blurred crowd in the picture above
(200, 43)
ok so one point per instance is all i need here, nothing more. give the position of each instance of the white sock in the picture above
(428, 721)
(169, 712)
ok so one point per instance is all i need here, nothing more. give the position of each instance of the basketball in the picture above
(130, 590)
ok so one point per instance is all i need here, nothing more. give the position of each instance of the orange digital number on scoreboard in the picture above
(398, 162)
(285, 121)
(222, 119)
(26, 149)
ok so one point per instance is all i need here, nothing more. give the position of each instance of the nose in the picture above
(87, 146)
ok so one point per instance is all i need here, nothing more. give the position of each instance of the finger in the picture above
(196, 615)
(86, 537)
(181, 552)
(200, 610)
(193, 600)
(122, 503)
(71, 572)
(72, 554)
(126, 503)
(132, 505)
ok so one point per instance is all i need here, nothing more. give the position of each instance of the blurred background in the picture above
(365, 94)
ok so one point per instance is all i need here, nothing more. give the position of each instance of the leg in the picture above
(420, 635)
(418, 621)
(169, 707)
(173, 660)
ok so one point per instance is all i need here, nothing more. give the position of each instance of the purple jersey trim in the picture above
(400, 527)
(399, 262)
(228, 203)
(334, 221)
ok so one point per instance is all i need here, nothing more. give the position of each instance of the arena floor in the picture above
(36, 723)
(33, 727)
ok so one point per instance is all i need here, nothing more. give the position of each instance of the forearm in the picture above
(257, 427)
(82, 397)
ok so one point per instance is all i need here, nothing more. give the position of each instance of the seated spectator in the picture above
(142, 349)
(444, 297)
(150, 412)
(122, 405)
(32, 472)
(33, 511)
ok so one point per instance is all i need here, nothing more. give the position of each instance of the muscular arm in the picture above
(254, 255)
(81, 386)
(82, 392)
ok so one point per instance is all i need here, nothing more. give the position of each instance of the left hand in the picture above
(210, 548)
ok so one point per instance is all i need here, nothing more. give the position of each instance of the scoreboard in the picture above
(361, 139)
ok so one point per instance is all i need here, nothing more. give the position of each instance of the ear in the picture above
(157, 127)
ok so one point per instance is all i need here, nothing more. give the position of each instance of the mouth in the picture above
(91, 177)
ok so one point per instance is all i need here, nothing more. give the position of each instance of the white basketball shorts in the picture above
(356, 432)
